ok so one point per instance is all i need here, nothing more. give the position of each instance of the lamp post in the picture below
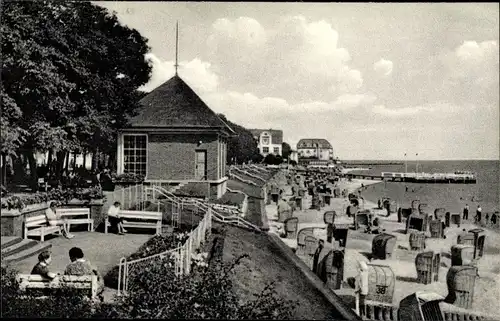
(416, 166)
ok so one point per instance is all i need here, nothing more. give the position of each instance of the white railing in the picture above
(181, 256)
(128, 197)
(153, 192)
(249, 174)
(203, 206)
(235, 176)
(259, 168)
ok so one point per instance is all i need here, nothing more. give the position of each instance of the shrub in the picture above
(272, 159)
(63, 303)
(155, 245)
(207, 293)
(127, 178)
(63, 196)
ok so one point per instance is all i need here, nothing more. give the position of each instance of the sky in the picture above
(377, 80)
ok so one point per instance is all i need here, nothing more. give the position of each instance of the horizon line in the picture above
(422, 160)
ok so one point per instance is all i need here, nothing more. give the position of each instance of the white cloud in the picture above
(435, 112)
(349, 101)
(195, 72)
(400, 112)
(474, 52)
(471, 73)
(244, 30)
(383, 67)
(297, 58)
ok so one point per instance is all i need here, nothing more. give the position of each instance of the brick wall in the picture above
(172, 156)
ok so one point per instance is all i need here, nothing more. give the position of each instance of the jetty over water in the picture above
(438, 178)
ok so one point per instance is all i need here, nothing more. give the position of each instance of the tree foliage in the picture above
(272, 159)
(242, 148)
(70, 72)
(285, 150)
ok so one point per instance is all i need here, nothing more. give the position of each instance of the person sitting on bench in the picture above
(55, 220)
(114, 218)
(80, 267)
(41, 268)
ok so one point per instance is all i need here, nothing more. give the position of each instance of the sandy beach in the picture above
(487, 288)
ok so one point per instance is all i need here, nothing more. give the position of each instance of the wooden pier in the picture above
(427, 178)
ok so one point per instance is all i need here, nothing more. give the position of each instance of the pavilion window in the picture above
(265, 150)
(135, 154)
(276, 150)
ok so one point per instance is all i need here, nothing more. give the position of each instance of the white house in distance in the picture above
(269, 141)
(316, 149)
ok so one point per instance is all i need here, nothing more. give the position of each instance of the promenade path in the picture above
(359, 244)
(103, 251)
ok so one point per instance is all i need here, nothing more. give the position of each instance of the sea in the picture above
(452, 197)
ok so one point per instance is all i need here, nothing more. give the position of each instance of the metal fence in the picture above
(129, 197)
(181, 257)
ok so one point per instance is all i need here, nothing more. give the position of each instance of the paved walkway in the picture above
(102, 250)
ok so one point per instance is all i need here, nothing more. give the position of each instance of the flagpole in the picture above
(406, 165)
(416, 166)
(176, 46)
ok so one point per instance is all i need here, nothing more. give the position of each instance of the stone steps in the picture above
(9, 240)
(18, 249)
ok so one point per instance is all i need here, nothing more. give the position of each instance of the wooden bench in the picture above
(39, 226)
(30, 282)
(76, 216)
(139, 219)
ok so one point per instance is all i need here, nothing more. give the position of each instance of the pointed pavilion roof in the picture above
(175, 105)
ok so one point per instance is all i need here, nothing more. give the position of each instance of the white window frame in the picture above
(122, 150)
(276, 150)
(263, 151)
(267, 137)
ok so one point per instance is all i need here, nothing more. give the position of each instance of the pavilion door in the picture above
(201, 165)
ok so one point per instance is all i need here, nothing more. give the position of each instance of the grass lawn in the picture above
(265, 264)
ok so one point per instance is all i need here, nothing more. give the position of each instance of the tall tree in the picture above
(73, 71)
(242, 148)
(285, 150)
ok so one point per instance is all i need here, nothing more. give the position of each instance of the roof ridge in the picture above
(175, 103)
(204, 103)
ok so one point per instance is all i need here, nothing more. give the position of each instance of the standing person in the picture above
(55, 220)
(478, 214)
(41, 268)
(494, 218)
(466, 212)
(321, 244)
(361, 290)
(114, 218)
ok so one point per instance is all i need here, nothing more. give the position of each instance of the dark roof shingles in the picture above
(276, 134)
(310, 142)
(175, 104)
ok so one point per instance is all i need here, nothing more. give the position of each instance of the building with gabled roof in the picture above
(176, 139)
(269, 141)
